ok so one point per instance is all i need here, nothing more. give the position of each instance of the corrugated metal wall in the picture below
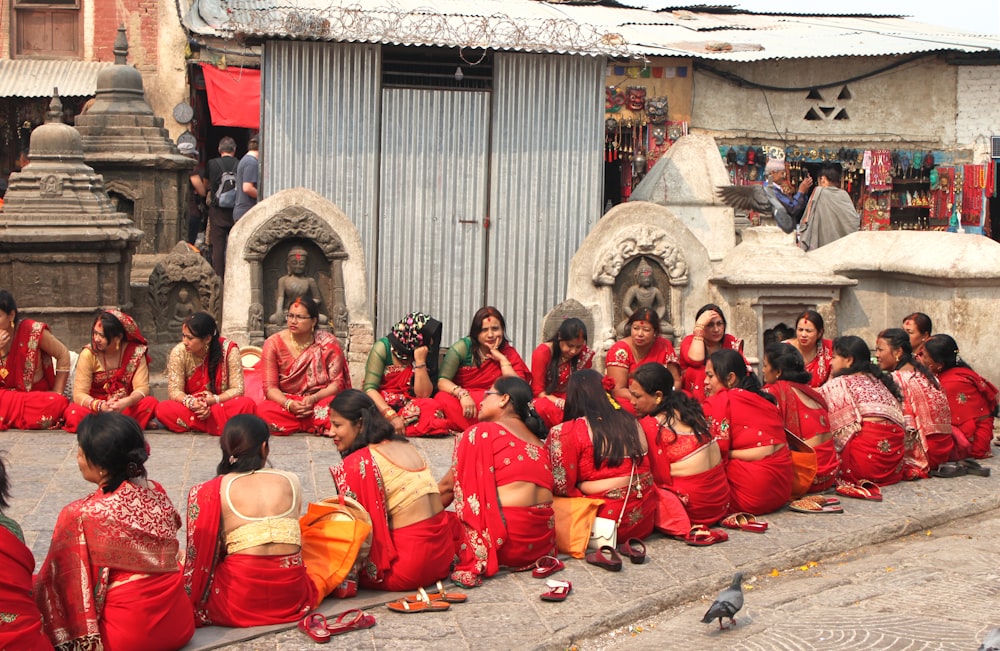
(434, 160)
(321, 127)
(547, 178)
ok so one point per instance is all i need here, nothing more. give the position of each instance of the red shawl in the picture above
(318, 366)
(540, 360)
(17, 372)
(397, 385)
(358, 476)
(819, 366)
(970, 396)
(802, 421)
(741, 420)
(198, 381)
(21, 623)
(694, 371)
(133, 529)
(204, 544)
(117, 383)
(486, 457)
(622, 354)
(470, 376)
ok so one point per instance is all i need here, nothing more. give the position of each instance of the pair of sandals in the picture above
(816, 504)
(702, 536)
(610, 559)
(961, 468)
(744, 522)
(424, 602)
(320, 629)
(865, 489)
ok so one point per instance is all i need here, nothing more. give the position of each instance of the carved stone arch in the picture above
(183, 266)
(641, 241)
(127, 190)
(294, 222)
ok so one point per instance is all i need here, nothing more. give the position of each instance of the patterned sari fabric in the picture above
(112, 574)
(743, 420)
(973, 400)
(395, 384)
(459, 367)
(927, 423)
(693, 372)
(705, 495)
(25, 403)
(550, 412)
(238, 589)
(871, 450)
(819, 365)
(572, 452)
(486, 457)
(320, 365)
(623, 355)
(806, 423)
(20, 621)
(386, 568)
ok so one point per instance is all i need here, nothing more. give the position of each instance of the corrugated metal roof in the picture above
(37, 77)
(532, 26)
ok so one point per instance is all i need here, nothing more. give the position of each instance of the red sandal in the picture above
(314, 625)
(350, 620)
(547, 565)
(558, 590)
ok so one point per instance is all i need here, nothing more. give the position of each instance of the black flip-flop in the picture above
(949, 470)
(973, 467)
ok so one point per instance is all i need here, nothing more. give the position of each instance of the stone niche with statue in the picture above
(291, 244)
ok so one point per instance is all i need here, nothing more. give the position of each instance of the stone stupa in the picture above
(65, 252)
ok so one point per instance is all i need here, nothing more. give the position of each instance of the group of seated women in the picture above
(303, 368)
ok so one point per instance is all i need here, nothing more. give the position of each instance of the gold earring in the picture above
(659, 399)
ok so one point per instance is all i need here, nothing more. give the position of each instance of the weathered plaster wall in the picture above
(978, 115)
(912, 104)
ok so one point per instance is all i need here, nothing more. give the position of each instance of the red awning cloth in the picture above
(233, 96)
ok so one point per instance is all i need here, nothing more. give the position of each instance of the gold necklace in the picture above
(300, 347)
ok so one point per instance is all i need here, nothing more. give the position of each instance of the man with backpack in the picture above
(222, 183)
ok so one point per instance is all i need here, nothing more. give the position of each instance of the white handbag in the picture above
(605, 530)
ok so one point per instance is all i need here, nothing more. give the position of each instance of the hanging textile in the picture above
(233, 96)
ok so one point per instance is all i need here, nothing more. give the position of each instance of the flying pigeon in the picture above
(727, 604)
(992, 641)
(758, 198)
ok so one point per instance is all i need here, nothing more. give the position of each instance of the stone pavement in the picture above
(506, 612)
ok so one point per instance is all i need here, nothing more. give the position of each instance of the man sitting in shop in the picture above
(830, 213)
(776, 179)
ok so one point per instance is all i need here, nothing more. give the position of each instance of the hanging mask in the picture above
(635, 98)
(659, 134)
(611, 125)
(657, 110)
(934, 179)
(613, 99)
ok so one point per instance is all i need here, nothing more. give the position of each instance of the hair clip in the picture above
(233, 459)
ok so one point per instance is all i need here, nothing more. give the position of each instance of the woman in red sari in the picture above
(400, 374)
(685, 460)
(31, 392)
(600, 452)
(972, 398)
(865, 416)
(501, 481)
(412, 534)
(926, 416)
(750, 431)
(204, 380)
(642, 346)
(112, 373)
(918, 326)
(471, 366)
(304, 368)
(550, 371)
(111, 579)
(21, 622)
(802, 408)
(817, 352)
(243, 565)
(708, 337)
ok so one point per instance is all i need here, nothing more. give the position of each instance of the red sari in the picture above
(819, 366)
(706, 495)
(392, 562)
(486, 457)
(743, 420)
(693, 372)
(177, 418)
(806, 423)
(20, 620)
(972, 400)
(25, 403)
(572, 453)
(238, 590)
(476, 380)
(550, 412)
(396, 388)
(871, 450)
(320, 365)
(927, 422)
(111, 576)
(623, 355)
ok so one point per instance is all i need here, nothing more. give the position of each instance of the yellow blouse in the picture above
(403, 486)
(181, 365)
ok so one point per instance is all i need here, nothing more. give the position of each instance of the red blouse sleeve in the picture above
(540, 360)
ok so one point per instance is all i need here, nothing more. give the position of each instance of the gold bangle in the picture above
(698, 338)
(416, 366)
(288, 403)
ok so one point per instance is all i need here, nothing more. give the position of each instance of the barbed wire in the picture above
(424, 27)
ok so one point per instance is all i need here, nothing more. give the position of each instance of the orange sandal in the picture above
(440, 595)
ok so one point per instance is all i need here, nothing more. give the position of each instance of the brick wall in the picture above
(978, 115)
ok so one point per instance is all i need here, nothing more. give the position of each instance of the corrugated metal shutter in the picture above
(435, 148)
(546, 182)
(321, 127)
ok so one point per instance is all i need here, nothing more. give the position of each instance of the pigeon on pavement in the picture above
(727, 604)
(759, 199)
(992, 641)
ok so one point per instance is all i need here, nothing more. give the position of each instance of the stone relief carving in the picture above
(180, 285)
(641, 241)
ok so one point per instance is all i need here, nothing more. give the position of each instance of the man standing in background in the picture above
(246, 180)
(221, 173)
